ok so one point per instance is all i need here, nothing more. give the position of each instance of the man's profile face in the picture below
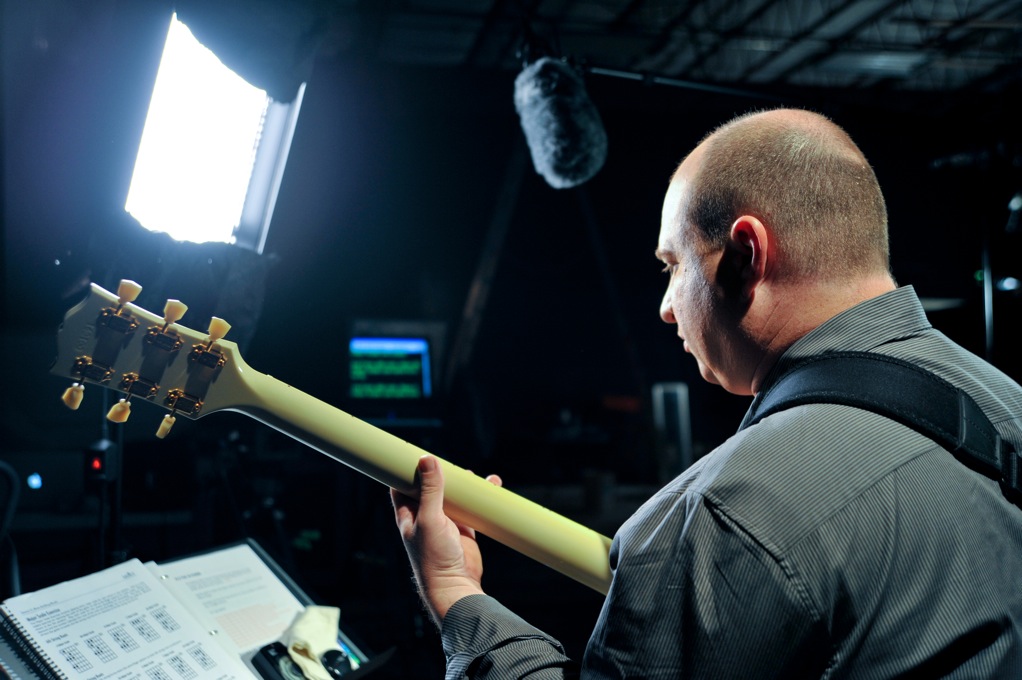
(693, 300)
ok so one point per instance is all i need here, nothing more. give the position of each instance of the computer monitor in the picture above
(389, 368)
(393, 370)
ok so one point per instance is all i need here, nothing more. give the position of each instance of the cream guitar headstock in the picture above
(109, 341)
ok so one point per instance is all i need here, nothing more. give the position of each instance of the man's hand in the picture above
(444, 555)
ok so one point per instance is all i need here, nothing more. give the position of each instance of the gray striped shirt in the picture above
(823, 542)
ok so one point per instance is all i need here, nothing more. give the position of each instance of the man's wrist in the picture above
(440, 597)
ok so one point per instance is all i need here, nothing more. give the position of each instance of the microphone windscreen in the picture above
(562, 126)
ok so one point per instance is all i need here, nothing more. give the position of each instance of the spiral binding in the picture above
(21, 642)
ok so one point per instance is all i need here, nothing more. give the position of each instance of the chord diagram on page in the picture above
(74, 656)
(204, 660)
(158, 673)
(123, 638)
(98, 646)
(166, 621)
(144, 628)
(181, 667)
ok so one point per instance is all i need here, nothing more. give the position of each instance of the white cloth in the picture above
(313, 633)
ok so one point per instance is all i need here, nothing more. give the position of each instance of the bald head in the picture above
(803, 177)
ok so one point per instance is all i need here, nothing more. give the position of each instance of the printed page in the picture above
(233, 591)
(121, 623)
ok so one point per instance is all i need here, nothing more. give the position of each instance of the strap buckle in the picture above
(1011, 467)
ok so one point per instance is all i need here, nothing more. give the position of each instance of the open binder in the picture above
(210, 616)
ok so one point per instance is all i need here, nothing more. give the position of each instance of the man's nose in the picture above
(666, 311)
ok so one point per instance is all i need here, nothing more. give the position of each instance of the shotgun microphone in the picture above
(561, 124)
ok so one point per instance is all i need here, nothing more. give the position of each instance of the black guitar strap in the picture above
(905, 393)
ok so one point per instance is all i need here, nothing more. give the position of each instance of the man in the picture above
(824, 541)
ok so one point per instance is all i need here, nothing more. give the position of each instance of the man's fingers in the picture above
(404, 512)
(493, 479)
(430, 480)
(408, 511)
(398, 499)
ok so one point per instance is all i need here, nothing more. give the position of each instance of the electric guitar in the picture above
(107, 340)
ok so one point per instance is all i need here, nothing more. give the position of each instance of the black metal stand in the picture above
(1014, 206)
(104, 467)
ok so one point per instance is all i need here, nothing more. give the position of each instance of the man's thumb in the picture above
(431, 482)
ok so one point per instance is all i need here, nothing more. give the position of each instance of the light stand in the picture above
(104, 467)
(1014, 206)
(13, 585)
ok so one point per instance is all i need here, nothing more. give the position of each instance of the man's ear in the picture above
(746, 256)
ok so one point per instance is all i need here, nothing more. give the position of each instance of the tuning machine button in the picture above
(119, 412)
(73, 395)
(127, 291)
(205, 354)
(165, 339)
(164, 429)
(173, 311)
(113, 318)
(217, 329)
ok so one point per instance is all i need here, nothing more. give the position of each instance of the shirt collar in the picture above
(862, 328)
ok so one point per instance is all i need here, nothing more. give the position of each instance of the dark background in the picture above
(392, 185)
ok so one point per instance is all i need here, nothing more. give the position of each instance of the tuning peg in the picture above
(119, 412)
(173, 311)
(217, 329)
(164, 429)
(127, 291)
(72, 397)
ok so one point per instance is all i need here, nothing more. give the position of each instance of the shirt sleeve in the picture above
(694, 595)
(483, 640)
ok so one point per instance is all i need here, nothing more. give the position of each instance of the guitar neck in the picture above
(106, 339)
(539, 533)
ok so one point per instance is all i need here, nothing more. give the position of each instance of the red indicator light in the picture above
(97, 463)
